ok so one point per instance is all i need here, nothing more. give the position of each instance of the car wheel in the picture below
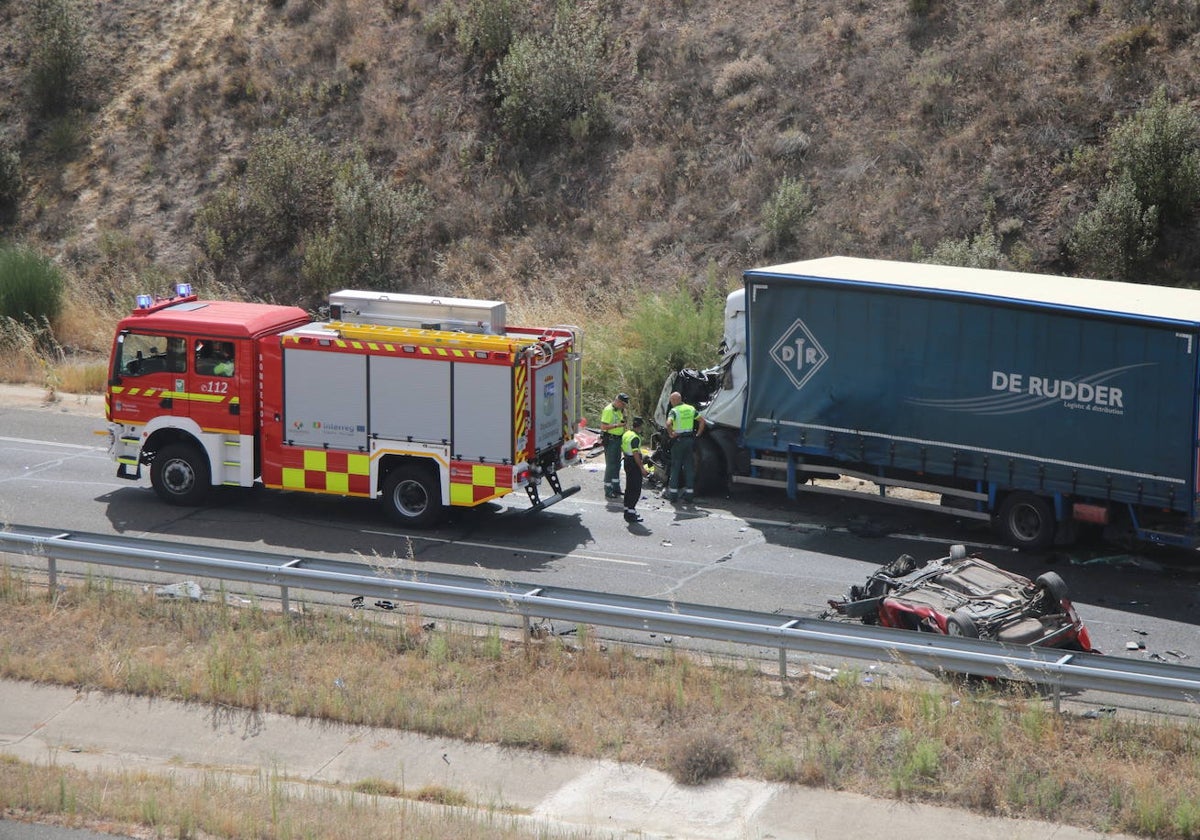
(961, 624)
(1027, 521)
(179, 474)
(412, 496)
(1054, 585)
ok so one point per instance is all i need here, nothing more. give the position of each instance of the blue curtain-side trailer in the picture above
(1038, 402)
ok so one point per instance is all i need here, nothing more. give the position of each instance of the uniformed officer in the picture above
(612, 427)
(684, 423)
(635, 470)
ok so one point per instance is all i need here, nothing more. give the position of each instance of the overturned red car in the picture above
(964, 595)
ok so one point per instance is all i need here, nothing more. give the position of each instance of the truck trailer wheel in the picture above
(1026, 521)
(411, 496)
(711, 477)
(179, 474)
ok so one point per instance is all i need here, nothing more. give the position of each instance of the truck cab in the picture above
(181, 391)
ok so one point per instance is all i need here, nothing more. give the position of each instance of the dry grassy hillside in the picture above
(911, 122)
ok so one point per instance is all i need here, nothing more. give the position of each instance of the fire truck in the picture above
(423, 403)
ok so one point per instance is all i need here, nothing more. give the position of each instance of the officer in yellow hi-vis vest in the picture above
(684, 423)
(635, 470)
(612, 426)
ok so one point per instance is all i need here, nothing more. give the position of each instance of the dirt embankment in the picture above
(31, 396)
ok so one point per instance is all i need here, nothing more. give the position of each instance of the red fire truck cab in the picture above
(424, 403)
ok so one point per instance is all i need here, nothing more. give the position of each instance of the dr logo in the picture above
(799, 354)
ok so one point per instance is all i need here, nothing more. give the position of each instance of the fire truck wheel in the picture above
(179, 474)
(412, 496)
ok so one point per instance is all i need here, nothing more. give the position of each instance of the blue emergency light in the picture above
(145, 301)
(183, 289)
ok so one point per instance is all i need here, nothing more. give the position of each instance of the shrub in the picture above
(1158, 148)
(785, 212)
(547, 81)
(1129, 47)
(663, 332)
(701, 758)
(742, 74)
(286, 190)
(11, 183)
(284, 197)
(370, 223)
(31, 287)
(1113, 238)
(486, 27)
(979, 251)
(57, 54)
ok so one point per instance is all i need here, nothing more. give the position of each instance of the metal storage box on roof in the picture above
(418, 311)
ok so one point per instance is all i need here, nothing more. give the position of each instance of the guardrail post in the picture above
(283, 598)
(52, 572)
(783, 653)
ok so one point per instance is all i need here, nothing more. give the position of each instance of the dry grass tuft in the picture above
(701, 758)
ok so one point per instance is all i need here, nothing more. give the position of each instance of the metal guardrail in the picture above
(1046, 666)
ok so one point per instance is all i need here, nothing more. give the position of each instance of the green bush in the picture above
(546, 82)
(57, 55)
(371, 223)
(284, 196)
(661, 333)
(979, 251)
(1158, 148)
(287, 188)
(1116, 236)
(486, 27)
(785, 212)
(31, 287)
(11, 183)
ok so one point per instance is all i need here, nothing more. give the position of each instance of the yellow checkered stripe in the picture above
(472, 484)
(327, 471)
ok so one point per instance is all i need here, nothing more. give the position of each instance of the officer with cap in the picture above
(635, 470)
(612, 427)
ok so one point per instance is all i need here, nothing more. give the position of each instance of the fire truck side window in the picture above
(214, 358)
(140, 354)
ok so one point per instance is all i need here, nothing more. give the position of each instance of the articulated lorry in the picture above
(423, 403)
(1035, 402)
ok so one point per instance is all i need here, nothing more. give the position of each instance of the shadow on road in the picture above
(493, 536)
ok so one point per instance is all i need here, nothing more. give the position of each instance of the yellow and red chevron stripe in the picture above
(520, 408)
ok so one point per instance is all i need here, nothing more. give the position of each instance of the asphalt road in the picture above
(756, 551)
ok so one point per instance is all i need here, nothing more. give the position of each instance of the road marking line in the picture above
(522, 549)
(53, 443)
